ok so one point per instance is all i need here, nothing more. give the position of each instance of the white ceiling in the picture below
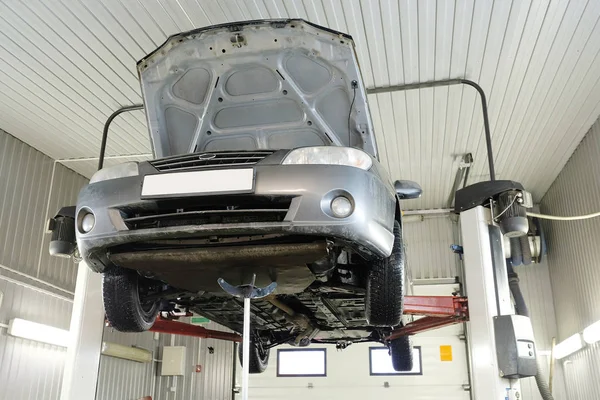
(66, 65)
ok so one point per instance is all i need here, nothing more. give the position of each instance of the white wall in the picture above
(34, 286)
(427, 243)
(348, 374)
(126, 379)
(348, 377)
(573, 260)
(214, 382)
(29, 369)
(38, 287)
(130, 380)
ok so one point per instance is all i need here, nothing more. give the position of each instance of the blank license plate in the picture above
(199, 182)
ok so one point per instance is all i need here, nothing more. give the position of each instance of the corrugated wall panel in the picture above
(64, 68)
(28, 179)
(428, 254)
(215, 382)
(28, 369)
(573, 255)
(125, 379)
(24, 183)
(582, 373)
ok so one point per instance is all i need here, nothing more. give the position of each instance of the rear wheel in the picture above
(124, 293)
(401, 353)
(258, 359)
(384, 300)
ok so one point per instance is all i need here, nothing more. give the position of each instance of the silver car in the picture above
(267, 165)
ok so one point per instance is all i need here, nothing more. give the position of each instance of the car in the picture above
(267, 165)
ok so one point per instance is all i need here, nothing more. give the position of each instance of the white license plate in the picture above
(199, 182)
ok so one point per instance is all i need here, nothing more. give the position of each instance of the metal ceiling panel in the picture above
(65, 66)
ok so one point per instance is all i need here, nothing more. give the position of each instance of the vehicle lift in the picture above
(500, 344)
(492, 329)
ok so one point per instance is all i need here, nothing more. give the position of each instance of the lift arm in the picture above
(180, 328)
(438, 312)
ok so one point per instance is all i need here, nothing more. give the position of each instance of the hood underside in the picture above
(276, 84)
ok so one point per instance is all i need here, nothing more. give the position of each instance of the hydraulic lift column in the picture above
(501, 347)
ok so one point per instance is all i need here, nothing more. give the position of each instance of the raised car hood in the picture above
(276, 84)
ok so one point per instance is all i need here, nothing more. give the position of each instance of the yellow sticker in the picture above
(445, 353)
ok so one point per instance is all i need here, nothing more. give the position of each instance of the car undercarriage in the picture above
(326, 312)
(320, 295)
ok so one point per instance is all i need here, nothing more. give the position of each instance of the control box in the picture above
(515, 347)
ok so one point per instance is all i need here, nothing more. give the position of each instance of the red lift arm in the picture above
(438, 311)
(180, 328)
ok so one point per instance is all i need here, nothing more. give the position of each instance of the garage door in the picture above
(354, 373)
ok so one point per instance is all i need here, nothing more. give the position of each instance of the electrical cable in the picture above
(507, 207)
(559, 218)
(354, 84)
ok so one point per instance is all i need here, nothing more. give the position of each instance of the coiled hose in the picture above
(521, 309)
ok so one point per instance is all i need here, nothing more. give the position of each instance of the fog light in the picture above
(87, 222)
(341, 207)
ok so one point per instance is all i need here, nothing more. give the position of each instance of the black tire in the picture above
(402, 355)
(259, 359)
(124, 309)
(384, 301)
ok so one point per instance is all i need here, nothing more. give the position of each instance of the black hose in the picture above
(521, 309)
(107, 125)
(486, 126)
(448, 82)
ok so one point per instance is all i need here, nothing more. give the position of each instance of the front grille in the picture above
(210, 160)
(230, 211)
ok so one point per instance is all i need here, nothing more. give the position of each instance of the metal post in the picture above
(107, 125)
(246, 292)
(552, 361)
(83, 354)
(490, 297)
(246, 349)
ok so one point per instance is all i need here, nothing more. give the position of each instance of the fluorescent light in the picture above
(39, 332)
(568, 346)
(591, 334)
(126, 352)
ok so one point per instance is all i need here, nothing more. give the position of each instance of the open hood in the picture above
(273, 84)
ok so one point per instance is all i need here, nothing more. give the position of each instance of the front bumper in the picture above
(309, 187)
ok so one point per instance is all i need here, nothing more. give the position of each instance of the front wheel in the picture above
(384, 301)
(125, 305)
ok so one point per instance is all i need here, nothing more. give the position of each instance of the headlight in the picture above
(118, 171)
(330, 155)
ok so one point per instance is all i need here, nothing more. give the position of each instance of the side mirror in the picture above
(408, 190)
